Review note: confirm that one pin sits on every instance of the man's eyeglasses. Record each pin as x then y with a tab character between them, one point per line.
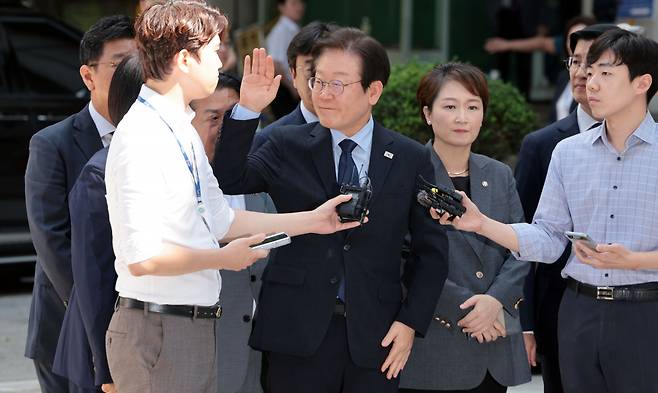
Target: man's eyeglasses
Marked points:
574	63
112	64
334	87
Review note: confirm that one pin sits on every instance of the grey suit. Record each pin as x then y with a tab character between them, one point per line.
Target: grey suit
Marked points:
446	359
239	365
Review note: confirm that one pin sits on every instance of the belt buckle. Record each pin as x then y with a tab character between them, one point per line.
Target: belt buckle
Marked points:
604	293
218	312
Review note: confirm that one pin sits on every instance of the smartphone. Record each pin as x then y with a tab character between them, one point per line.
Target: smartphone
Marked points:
273	241
583	237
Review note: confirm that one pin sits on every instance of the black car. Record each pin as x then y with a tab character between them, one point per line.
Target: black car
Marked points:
40	85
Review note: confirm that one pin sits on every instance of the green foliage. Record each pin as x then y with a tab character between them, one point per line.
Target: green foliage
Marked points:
509	117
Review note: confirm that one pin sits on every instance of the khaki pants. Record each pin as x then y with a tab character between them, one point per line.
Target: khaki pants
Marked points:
158	353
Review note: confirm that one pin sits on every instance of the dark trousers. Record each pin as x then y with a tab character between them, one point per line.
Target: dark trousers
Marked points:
488	385
329	370
607	346
550	373
49	382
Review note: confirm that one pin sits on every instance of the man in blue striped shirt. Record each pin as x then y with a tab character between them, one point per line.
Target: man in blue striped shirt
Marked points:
603	183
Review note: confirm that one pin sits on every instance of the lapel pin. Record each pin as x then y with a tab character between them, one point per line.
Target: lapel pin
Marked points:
485	183
388	155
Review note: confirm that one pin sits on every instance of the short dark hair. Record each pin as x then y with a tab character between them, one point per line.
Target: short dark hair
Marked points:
229	81
165	29
124	87
469	76
375	65
578	20
106	29
589	33
302	43
638	53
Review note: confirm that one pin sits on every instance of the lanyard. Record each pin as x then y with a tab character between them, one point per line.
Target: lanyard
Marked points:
194	170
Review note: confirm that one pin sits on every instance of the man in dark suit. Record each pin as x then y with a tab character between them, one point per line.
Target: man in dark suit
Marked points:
544	285
301	64
331	313
57	155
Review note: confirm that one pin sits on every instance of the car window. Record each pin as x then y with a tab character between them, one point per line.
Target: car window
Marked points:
46	56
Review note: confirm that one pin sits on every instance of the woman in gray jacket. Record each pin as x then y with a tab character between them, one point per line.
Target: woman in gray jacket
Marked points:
474	343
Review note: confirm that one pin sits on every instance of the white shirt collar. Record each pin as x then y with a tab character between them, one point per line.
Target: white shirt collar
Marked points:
103	126
585	121
309	116
165	107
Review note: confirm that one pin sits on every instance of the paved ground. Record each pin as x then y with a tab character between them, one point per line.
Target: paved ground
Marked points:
17	373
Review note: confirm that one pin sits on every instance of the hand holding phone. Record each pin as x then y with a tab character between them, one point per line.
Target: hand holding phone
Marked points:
583	237
273	241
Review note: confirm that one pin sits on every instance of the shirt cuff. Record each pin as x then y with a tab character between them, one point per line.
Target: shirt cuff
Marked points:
239	112
524	238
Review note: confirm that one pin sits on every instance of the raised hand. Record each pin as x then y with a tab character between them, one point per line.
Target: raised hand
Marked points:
259	84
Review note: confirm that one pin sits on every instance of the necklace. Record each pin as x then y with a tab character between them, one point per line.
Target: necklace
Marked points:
453	174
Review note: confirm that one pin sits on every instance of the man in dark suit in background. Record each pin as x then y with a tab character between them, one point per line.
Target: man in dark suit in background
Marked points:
57	155
301	64
331	313
544	285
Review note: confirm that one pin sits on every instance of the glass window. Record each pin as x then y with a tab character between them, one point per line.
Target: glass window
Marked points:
46	55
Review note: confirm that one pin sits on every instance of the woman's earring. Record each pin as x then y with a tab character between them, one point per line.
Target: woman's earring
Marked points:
429	122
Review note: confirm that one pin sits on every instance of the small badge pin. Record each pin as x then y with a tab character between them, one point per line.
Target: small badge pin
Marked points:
388	155
485	183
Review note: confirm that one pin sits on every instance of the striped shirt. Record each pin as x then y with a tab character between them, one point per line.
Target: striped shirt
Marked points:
592	188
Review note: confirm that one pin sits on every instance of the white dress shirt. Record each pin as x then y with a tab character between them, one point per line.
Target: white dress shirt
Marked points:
104	127
309	116
360	154
151	200
585	121
278	40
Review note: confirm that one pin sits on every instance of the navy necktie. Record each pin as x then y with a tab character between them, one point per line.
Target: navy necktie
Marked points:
347	174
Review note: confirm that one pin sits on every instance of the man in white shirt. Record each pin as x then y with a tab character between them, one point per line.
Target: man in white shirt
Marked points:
57	155
291	13
168	213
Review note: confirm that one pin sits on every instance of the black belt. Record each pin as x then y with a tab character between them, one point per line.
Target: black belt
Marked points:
632	293
212	312
339	308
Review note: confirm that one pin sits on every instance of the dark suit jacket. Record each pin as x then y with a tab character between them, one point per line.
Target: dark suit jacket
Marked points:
446	359
80	355
294	118
296	167
57	155
544	285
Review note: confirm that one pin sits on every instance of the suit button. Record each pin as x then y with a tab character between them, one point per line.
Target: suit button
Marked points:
347	247
479	275
246	318
333	280
253	278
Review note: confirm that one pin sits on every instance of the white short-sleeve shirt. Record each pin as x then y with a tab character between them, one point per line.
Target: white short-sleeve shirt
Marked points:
151	200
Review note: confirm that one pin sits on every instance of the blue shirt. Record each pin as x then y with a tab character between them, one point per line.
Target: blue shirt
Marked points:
592	188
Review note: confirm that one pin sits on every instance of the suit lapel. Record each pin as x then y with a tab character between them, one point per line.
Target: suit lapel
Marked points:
319	145
382	156
85	134
480	195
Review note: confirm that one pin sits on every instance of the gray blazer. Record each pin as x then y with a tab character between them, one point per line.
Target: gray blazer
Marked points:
446	359
238	365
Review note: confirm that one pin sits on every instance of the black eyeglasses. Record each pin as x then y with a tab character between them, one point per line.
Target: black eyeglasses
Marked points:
334	87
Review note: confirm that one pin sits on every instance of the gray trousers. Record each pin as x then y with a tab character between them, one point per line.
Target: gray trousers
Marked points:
158	353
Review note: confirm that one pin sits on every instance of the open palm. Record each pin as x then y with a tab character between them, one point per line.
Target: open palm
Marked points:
259	84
